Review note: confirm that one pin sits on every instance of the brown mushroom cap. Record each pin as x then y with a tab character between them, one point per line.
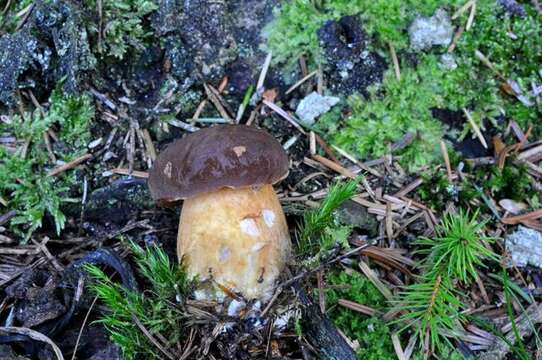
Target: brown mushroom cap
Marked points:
223	156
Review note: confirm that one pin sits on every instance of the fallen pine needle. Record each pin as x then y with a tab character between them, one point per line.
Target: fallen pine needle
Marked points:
69	165
475	128
363	309
334	166
513	220
134	173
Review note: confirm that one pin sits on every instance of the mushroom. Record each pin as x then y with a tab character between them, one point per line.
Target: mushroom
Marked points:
232	229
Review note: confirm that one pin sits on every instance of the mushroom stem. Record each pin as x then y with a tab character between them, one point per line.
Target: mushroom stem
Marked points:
242	244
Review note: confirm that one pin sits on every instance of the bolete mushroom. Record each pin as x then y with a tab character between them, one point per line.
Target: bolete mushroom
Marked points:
232	229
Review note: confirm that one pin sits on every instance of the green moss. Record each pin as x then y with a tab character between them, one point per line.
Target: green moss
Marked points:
72	115
158	309
293	32
123	26
512	182
394	109
24	183
9	18
397	107
373	334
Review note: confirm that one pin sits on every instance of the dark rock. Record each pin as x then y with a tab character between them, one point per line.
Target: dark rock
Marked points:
53	45
60	27
206	39
180	60
468	147
118	202
241	75
16	56
350	66
94	343
35	292
207	32
7	353
110	352
166	18
353	214
512	7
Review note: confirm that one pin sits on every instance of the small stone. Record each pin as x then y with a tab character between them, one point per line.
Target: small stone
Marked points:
426	32
353	214
314	105
235	307
525	247
447	62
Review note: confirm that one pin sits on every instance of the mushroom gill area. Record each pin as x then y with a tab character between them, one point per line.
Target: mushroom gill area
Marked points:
236	237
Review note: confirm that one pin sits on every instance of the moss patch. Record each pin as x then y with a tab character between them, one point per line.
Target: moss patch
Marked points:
373	334
24	184
512	43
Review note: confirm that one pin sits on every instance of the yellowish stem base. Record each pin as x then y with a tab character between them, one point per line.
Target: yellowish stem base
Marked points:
236	237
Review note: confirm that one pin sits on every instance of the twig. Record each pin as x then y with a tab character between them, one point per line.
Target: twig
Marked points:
363	309
83	326
149	144
512	220
456	38
151	338
397	346
480	56
182	125
70	165
300	82
302	274
214	98
471	16
334	166
475	128
371	275
444	151
263	73
284	115
462	9
395	62
320	82
355	161
33	335
321	293
134	173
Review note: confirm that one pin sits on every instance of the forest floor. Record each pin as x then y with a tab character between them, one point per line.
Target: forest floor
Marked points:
414	196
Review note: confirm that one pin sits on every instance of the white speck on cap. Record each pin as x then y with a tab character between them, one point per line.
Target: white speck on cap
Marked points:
249	227
268	217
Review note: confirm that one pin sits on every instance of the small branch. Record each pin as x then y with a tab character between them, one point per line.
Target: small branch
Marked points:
301	82
475	128
134	173
395	62
151	338
70	165
444	151
471	16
